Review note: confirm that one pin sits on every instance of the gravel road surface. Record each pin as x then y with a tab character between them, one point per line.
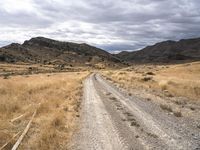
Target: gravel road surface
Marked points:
113	120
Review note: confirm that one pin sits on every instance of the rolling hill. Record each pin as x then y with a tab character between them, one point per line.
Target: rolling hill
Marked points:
44	50
165	52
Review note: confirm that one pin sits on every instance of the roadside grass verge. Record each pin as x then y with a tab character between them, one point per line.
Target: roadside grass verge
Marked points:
59	96
175	80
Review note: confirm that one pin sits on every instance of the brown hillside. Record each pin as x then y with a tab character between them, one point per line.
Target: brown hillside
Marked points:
43	50
165	52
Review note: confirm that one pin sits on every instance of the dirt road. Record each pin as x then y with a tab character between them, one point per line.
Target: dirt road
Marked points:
113	120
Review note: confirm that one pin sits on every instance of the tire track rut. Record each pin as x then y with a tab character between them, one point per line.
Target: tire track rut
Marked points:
96	130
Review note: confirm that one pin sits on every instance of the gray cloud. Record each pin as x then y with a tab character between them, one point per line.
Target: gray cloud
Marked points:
110	24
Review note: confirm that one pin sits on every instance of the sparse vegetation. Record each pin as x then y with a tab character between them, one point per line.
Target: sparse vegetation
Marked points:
6	76
146	79
166	107
148	99
113	98
150	73
177	113
26	69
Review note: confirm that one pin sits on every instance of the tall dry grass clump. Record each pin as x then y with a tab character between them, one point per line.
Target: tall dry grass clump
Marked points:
163	84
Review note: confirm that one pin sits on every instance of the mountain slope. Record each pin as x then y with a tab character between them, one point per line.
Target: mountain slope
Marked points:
167	51
44	50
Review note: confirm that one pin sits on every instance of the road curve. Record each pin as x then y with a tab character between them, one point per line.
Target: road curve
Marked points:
111	120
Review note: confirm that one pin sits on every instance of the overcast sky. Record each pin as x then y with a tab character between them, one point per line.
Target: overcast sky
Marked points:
113	25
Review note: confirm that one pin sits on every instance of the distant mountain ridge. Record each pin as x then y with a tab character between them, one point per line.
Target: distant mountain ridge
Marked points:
43	50
165	52
48	51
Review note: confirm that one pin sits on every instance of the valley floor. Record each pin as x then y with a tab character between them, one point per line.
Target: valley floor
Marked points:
138	107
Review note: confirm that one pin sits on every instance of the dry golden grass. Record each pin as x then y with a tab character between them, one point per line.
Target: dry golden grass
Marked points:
17	68
7	69
59	98
178	80
183	80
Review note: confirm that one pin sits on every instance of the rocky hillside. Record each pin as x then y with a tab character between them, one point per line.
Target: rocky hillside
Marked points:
165	52
43	50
